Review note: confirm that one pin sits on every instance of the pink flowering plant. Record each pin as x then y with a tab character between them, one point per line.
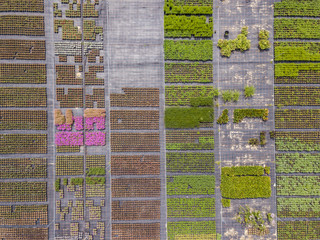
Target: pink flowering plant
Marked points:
95	139
78	123
99	121
64	127
69	139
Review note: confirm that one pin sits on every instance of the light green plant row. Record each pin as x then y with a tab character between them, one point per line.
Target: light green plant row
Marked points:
188	72
303	230
190	162
193	50
190	207
297	163
297	73
182	95
187	26
243	171
297	96
194	7
298	207
177	117
191	185
240	114
297	51
310	8
196	230
291	144
298	185
296	28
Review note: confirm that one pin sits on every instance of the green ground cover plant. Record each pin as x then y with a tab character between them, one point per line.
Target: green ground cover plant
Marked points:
199	7
249	91
96	171
240	114
193	50
190	95
298	185
224	117
189	162
230	95
192	229
226	202
293	230
191	185
264	42
244	182
298	207
187	26
57	184
187	72
239	43
297	163
297	73
77	181
297	141
176	117
310	8
263	140
296	28
297	51
190	207
95	180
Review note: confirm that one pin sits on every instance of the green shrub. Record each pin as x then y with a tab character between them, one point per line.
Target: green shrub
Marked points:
264	42
263	140
191	185
176	117
240	114
57	184
230	95
193	50
95	180
254	141
96	172
226	202
65	181
251	218
249	91
77	181
201	102
224	117
267	170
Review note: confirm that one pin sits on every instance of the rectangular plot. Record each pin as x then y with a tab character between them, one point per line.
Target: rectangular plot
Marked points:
297	141
135	165
136	187
72	99
293	230
141	231
95	161
23	168
21	6
192	230
297	163
24	215
297	51
298	207
22	49
23	97
298	185
297	8
69	165
24	233
23	120
136	97
23	73
134	119
66	75
135	142
297	96
23	191
135	210
22	25
297	119
67	149
23	143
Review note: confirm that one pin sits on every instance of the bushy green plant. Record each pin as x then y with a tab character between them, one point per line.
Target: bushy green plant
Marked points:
267	170
96	172
249	91
239	43
263	140
240	114
176	117
264	42
65	181
95	180
251	218
224	117
57	184
201	102
230	95
77	181
225	202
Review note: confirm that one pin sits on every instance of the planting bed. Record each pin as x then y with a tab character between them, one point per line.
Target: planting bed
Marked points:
297	51
20	119
24	233
135	142
22	49
23	97
297	141
292	230
142	231
23	191
297	119
23	73
22	25
298	163
298	207
191	229
23	143
297	96
136	97
298	185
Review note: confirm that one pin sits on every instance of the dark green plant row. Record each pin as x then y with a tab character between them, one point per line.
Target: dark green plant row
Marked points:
296	28
193	50
96	171
298	207
297	73
297	96
57	184
190	162
297	163
177	117
187	26
189	140
298	185
188	72
190	95
240	114
192	230
297	51
190	207
191	185
224	117
95	180
297	119
243	186
293	230
77	181
310	8
195	7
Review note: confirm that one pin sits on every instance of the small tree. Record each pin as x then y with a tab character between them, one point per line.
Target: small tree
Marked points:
264	43
249	91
